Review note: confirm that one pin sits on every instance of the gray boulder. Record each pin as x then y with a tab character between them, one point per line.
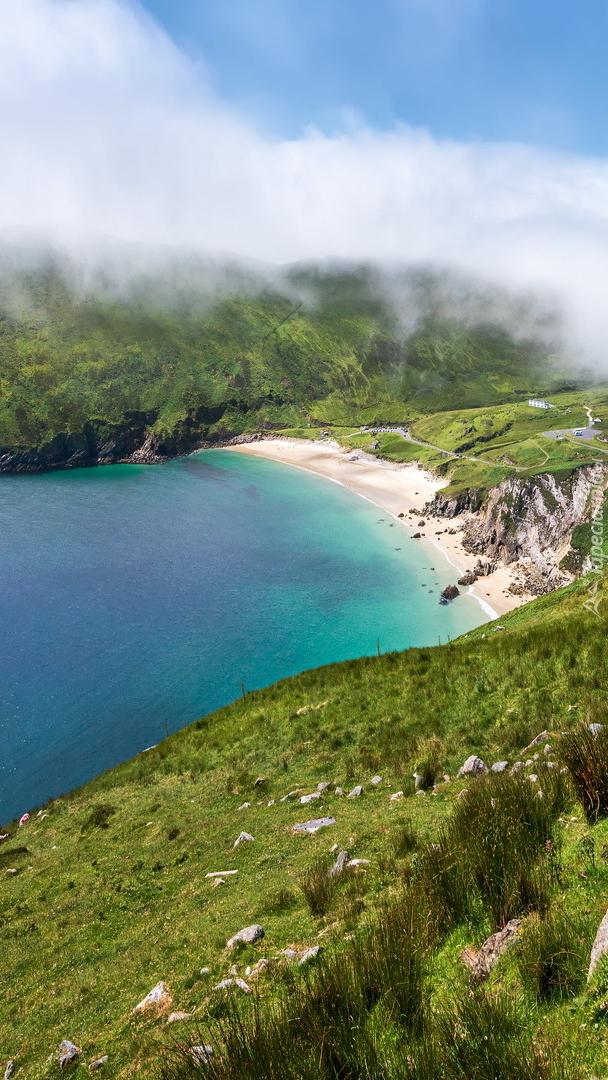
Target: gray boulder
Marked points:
358	790
314	824
309	798
472	766
339	864
97	1064
323	786
499	766
482	962
600	945
201	1054
248	935
8	1072
309	954
376	780
242	837
596	728
68	1052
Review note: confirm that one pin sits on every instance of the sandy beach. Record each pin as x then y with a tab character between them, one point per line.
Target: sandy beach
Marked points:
399	490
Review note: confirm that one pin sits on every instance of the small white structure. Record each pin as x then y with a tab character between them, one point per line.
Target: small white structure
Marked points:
538	403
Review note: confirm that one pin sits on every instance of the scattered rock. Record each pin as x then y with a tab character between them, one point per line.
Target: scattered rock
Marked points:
420	791
600	945
178	1016
463	793
467	579
260	780
539	738
548	749
483	568
290	954
323	786
355	864
376	780
339	864
97	1064
482	962
338	791
596	728
358	790
310	954
242	837
201	1054
551	765
533	777
271	802
499	766
248	935
472	766
257	969
205	971
309	798
217	882
415	536
244	806
314	825
225	984
221	873
8	1072
517	767
159	998
68	1052
291	795
421	524
396	795
449	593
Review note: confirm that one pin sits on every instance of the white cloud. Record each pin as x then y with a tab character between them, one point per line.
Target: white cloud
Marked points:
107	129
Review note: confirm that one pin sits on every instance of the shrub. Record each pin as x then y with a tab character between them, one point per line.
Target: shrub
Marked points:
318	888
484	1037
586	757
553	955
404	838
499	846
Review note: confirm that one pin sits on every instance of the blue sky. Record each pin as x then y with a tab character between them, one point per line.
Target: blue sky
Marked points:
507	70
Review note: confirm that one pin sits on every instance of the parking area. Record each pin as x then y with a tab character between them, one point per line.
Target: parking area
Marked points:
579	433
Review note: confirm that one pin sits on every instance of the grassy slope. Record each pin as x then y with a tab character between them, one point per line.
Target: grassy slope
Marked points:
68	356
96	916
512	435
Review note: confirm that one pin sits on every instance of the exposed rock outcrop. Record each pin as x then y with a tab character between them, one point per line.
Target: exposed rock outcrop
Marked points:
534	518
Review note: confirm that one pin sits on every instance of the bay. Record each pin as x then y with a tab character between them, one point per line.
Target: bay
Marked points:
135	599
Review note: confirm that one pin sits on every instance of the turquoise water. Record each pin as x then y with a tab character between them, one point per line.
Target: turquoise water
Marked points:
137	598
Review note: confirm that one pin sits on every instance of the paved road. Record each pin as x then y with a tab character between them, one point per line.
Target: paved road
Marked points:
583	433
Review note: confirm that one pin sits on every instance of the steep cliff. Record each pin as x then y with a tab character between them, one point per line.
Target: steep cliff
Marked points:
534	517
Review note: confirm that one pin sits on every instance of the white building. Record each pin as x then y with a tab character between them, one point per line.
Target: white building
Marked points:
538	403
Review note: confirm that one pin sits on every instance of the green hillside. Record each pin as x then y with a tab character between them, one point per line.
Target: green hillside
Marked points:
104	892
194	361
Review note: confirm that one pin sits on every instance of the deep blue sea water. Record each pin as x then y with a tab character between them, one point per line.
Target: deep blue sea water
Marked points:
134	599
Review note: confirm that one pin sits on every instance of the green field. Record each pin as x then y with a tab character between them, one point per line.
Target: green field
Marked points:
110	894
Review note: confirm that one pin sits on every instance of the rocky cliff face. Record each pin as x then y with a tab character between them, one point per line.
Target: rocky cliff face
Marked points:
534	518
100	443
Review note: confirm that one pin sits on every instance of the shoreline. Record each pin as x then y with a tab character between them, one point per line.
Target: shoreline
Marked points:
401	491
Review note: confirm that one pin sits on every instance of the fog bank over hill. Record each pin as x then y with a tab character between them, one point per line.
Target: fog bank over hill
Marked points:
114	133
